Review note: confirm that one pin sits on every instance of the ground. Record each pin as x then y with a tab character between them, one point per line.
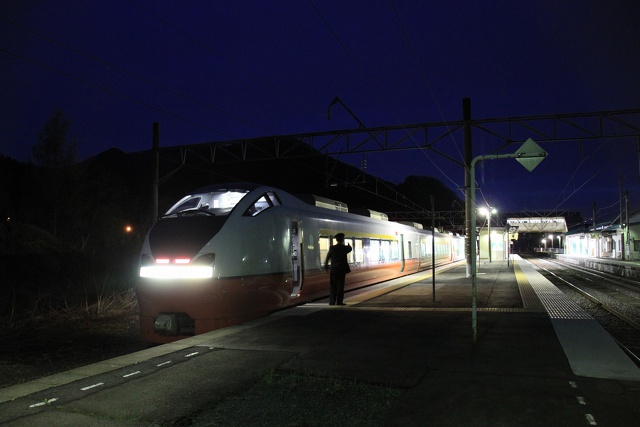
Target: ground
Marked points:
53	343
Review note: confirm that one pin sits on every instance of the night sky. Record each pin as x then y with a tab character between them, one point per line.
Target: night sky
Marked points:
223	70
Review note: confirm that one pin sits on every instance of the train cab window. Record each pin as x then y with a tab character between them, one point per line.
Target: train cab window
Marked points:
218	203
265	201
275	201
190	203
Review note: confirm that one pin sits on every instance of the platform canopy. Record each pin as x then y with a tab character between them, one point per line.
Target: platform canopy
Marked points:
539	225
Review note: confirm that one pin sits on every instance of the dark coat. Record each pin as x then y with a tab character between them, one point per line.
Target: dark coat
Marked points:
338	256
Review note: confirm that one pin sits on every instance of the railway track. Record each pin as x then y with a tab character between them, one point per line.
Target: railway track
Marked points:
613	301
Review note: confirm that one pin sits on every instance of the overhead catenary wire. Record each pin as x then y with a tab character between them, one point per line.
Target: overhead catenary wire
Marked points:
362	72
107	89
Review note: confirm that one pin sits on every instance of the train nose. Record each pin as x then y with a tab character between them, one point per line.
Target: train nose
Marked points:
171	324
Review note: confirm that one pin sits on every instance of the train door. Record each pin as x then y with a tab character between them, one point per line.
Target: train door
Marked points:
296	257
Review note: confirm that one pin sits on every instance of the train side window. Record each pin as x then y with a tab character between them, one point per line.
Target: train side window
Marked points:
395	249
358	253
373	255
323	245
350	255
385	250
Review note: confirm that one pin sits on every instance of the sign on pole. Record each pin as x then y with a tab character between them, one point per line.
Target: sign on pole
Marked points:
529	147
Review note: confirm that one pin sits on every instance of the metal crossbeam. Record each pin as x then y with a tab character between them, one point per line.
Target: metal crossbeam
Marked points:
421	136
434	136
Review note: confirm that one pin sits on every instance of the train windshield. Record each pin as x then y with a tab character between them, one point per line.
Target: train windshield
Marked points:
218	203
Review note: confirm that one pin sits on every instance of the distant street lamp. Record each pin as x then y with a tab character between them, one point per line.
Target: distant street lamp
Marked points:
544	241
551	240
487	212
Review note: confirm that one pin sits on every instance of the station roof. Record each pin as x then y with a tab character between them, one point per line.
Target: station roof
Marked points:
539	225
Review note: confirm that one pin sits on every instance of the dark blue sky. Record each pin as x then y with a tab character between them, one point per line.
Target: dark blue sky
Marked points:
222	70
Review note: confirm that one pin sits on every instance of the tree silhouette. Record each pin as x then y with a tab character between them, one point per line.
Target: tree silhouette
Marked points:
54	149
54	154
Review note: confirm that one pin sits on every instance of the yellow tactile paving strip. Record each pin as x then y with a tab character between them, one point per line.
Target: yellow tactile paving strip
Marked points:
530	300
547	297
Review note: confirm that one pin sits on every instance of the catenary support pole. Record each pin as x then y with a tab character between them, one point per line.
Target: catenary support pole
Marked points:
472	201
155	154
433	248
468	157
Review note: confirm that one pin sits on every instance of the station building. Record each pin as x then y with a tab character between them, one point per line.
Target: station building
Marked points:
499	239
606	240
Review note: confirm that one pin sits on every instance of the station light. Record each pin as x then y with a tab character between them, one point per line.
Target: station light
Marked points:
487	211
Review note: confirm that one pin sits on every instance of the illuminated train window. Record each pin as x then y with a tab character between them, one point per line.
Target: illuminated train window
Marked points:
323	245
350	255
190	203
217	202
395	249
357	254
365	250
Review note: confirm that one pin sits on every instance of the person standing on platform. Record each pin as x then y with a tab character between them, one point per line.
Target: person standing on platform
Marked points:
338	269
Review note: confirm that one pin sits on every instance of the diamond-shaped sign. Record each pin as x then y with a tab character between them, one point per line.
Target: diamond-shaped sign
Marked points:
532	154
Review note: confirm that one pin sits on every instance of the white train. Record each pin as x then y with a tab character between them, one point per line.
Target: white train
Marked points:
229	253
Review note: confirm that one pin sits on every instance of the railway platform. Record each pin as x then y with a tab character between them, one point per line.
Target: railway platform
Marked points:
538	360
627	268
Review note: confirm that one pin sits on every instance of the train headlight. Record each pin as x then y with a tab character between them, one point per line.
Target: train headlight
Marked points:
177	268
176	272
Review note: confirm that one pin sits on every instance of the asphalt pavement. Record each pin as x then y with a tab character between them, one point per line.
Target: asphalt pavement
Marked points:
396	335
